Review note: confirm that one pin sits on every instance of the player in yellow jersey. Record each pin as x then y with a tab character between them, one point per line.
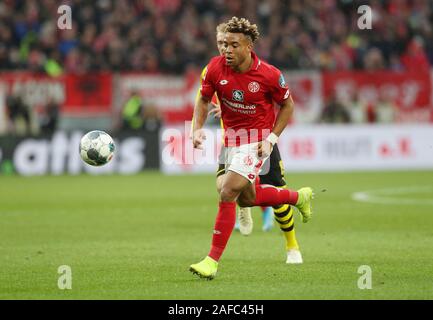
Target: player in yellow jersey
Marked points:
275	176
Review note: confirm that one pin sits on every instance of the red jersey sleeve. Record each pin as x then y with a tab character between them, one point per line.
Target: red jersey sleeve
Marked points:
278	86
207	88
215	100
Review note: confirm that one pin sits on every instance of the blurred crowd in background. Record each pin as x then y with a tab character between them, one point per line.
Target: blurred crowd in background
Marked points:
170	36
176	36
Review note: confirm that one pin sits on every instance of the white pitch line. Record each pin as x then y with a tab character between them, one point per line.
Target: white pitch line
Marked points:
382	196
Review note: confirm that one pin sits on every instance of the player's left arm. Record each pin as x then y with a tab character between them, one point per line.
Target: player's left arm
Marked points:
281	94
283	118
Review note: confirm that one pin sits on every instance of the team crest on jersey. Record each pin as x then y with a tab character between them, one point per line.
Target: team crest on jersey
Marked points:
253	86
282	81
238	95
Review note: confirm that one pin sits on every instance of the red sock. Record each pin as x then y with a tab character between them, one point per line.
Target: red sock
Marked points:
257	181
224	224
267	195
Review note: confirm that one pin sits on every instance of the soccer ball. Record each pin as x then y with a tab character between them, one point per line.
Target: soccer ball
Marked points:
97	148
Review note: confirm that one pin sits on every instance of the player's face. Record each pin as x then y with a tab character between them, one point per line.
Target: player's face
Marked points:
220	42
237	48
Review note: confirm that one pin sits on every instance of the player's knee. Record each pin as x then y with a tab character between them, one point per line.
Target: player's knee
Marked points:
228	194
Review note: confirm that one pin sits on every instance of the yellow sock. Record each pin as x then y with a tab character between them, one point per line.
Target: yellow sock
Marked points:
284	217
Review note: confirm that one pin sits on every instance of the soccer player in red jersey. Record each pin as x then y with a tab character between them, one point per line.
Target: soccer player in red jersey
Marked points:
247	88
275	177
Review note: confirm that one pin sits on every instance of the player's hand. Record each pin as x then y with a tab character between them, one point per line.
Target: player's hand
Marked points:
216	111
197	138
264	149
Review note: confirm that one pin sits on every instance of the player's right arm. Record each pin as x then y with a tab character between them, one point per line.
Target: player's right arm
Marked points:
215	105
197	96
207	90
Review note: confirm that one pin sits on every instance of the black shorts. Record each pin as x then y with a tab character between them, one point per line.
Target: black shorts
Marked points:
221	170
275	174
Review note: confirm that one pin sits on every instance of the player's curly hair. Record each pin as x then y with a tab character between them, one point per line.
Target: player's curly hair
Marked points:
221	27
242	25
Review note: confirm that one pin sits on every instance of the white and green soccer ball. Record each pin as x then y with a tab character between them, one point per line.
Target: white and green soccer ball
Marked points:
97	148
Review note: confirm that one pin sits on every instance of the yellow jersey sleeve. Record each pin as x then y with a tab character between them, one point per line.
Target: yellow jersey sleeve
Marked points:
203	73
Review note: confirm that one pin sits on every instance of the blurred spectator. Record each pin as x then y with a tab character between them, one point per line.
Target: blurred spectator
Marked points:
18	115
132	113
415	59
340	58
357	110
334	112
385	111
151	116
373	60
4	59
52	65
170	35
395	63
140	114
50	118
371	113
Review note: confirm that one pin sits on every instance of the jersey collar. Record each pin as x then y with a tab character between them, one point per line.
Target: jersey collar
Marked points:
256	61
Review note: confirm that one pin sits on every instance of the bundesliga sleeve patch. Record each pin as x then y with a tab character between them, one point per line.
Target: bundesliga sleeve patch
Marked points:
281	81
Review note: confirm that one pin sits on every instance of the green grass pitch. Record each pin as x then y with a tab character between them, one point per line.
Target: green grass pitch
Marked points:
134	237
